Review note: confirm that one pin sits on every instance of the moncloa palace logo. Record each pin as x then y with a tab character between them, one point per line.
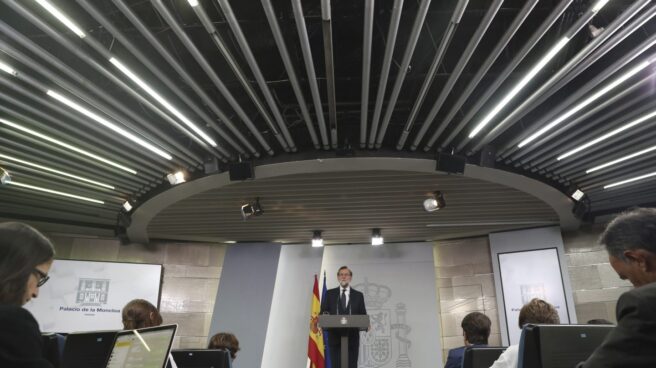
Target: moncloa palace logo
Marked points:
92	292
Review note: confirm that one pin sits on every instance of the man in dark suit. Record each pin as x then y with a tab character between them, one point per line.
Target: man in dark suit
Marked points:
630	240
343	300
476	331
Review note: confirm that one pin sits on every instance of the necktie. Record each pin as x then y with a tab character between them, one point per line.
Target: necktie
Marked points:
342	301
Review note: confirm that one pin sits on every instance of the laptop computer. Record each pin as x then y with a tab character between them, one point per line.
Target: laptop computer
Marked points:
202	358
87	349
142	348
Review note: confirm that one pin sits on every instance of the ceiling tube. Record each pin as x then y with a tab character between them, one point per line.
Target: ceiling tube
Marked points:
405	63
64	84
621	159
542	155
91	135
14	160
289	67
630	180
68	71
384	73
66	145
367	35
84	56
546	58
173	62
287	143
485	66
218	83
562	77
309	68
586	102
55	192
327	30
587	88
430	75
453	77
510	67
173	86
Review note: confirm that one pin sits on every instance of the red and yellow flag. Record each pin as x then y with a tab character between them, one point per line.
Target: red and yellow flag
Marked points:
315	342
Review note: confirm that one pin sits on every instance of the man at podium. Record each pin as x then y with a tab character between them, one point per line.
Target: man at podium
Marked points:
344	300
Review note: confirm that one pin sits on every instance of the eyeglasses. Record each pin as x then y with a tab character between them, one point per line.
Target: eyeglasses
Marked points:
43	277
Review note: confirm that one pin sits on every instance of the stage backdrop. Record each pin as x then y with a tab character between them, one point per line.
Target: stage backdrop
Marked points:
89	296
398	282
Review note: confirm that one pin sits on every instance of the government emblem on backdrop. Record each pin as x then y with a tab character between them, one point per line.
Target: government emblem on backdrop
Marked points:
92	292
387	343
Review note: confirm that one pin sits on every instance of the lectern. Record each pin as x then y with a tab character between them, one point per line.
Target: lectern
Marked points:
340	324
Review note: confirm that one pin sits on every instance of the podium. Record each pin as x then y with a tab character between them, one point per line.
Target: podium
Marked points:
340	323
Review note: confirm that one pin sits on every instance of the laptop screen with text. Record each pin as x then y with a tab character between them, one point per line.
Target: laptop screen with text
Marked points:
142	348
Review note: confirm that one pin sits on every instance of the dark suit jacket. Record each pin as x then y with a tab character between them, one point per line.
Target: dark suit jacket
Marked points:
356	306
21	345
632	342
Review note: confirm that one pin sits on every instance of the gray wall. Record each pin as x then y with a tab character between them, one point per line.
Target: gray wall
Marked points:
243	302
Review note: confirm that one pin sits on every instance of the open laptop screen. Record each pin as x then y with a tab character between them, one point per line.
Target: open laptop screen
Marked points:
142	348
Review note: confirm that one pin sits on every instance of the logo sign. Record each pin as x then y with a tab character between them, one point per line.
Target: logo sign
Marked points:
92	292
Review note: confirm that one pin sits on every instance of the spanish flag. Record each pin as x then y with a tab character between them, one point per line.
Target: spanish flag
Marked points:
315	342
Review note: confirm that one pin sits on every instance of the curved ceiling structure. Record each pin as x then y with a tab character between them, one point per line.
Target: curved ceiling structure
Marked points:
99	101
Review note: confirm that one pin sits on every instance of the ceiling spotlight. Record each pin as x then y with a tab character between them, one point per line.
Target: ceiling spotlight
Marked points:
176	178
594	31
251	209
127	206
577	194
435	202
376	237
317	240
5	178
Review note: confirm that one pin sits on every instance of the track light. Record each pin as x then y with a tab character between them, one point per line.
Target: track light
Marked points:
5	178
376	237
61	17
435	202
251	209
317	240
55	192
66	145
135	78
610	134
595	31
176	178
580	106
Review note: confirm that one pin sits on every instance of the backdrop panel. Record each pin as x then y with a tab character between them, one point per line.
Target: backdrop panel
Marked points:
288	329
398	282
243	301
88	296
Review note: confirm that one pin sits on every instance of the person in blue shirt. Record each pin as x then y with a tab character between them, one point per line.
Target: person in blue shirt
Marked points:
475	330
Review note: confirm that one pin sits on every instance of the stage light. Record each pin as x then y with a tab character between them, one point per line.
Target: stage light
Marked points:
176	178
251	209
5	178
435	202
62	18
577	195
376	237
127	206
317	240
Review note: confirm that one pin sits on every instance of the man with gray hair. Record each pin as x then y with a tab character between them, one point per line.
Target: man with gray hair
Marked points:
630	240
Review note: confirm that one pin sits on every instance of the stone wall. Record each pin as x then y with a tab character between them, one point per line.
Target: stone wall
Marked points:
191	278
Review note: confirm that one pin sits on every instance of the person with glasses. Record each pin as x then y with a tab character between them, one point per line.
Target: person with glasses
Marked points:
25	259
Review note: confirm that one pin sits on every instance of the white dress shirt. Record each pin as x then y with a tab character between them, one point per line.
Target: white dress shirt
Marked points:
508	359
